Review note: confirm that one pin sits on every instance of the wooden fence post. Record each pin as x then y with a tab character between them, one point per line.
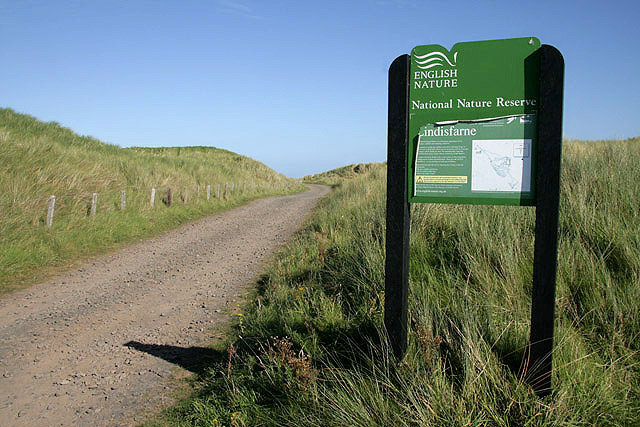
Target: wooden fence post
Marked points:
218	192
197	192
52	205
208	192
123	200
169	197
153	197
185	196
94	203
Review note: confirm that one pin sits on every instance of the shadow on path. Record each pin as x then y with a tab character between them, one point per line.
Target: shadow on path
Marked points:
194	359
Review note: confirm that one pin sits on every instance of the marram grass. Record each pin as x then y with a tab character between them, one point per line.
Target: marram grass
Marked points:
41	159
470	280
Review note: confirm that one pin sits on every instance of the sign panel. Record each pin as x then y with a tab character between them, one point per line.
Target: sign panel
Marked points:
472	122
488	160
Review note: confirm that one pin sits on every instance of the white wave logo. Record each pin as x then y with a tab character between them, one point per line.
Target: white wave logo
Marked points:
434	59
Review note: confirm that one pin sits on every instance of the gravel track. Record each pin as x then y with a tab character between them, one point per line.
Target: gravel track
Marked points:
99	345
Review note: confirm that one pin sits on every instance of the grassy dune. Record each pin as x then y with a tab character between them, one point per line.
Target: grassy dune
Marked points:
335	177
40	159
309	349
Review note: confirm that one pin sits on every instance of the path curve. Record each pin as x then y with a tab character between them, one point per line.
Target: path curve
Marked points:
78	349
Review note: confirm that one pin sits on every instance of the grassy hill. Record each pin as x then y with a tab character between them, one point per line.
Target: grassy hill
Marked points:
311	351
40	159
336	176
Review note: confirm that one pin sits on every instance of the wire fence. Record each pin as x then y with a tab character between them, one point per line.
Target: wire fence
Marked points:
165	196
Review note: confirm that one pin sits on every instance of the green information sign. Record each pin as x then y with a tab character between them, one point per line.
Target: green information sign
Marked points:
484	127
472	122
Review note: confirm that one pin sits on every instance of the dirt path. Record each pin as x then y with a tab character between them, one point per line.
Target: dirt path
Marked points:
81	349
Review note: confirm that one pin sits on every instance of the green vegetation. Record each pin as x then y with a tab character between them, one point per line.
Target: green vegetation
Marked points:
40	159
309	348
335	177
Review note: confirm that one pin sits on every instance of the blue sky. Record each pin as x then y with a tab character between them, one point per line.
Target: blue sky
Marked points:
300	86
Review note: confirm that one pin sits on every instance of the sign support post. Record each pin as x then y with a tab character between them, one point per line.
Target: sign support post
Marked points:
396	280
538	362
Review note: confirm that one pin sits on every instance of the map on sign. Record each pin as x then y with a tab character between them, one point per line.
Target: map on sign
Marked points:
501	165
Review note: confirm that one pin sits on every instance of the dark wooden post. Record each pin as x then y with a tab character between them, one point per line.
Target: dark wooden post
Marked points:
169	197
539	354
397	233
